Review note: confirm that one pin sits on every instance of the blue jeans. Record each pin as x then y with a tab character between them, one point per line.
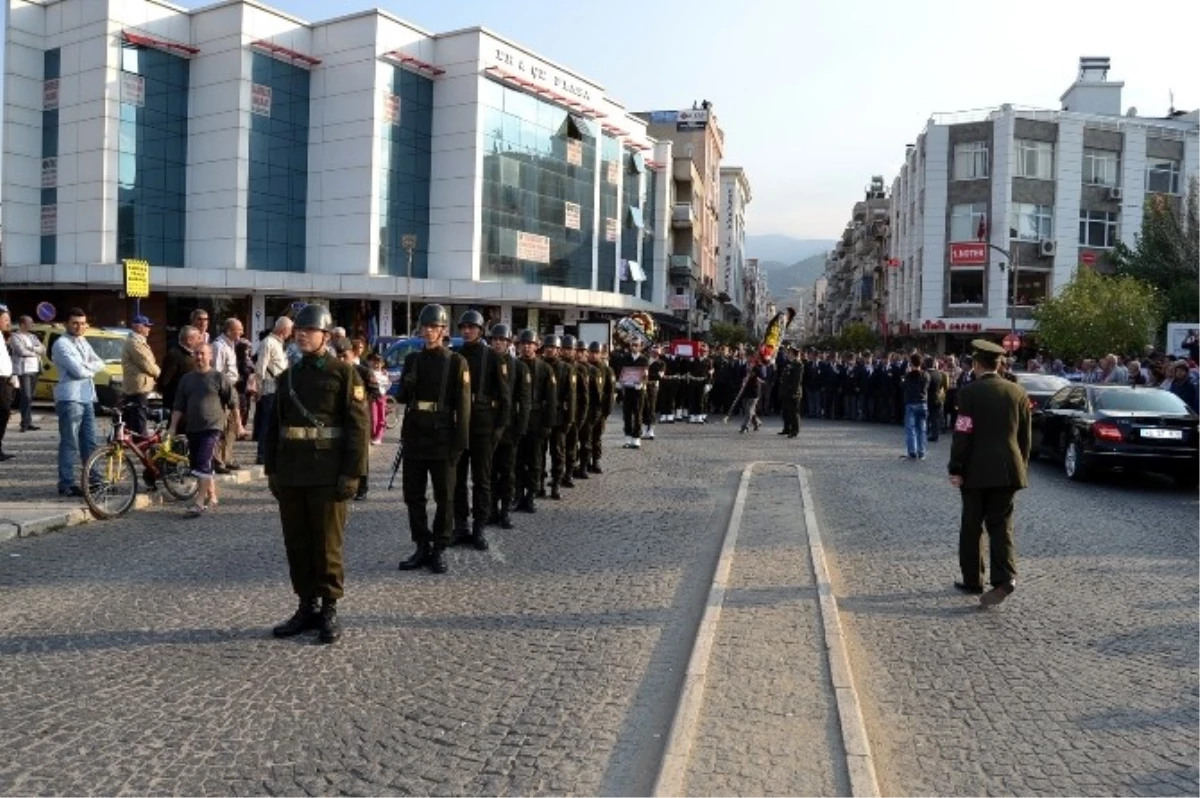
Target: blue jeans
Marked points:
914	428
76	439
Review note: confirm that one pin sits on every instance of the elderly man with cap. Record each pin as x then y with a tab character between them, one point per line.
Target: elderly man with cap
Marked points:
139	371
317	442
504	461
988	463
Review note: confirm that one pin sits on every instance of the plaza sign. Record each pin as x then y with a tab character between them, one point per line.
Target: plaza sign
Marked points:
545	75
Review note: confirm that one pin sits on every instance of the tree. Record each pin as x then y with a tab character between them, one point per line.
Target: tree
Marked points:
857	337
728	334
1097	315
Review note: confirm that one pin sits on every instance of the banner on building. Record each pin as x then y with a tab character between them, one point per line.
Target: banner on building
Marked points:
575	152
693	119
391	108
49	172
610	229
133	89
50	94
679	301
260	99
968	254
49	220
571	212
612	172
533	247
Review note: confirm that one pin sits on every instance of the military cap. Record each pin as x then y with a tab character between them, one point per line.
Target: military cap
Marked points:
342	345
594	346
986	347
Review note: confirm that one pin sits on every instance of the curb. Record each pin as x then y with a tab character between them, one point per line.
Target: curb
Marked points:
859	761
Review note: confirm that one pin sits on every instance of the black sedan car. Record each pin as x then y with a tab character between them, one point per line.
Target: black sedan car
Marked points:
1040	387
1095	427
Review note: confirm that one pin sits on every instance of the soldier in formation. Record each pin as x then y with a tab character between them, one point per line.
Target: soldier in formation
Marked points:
543	413
504	464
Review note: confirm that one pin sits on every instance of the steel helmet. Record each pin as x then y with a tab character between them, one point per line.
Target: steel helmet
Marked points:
502	331
567	341
433	316
594	346
550	341
471	317
580	346
527	337
313	317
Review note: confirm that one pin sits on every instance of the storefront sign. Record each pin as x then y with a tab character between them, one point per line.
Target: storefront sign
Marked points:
49	220
679	301
49	172
137	279
968	254
575	152
391	109
610	229
540	73
612	172
133	89
693	119
533	247
50	95
572	215
260	99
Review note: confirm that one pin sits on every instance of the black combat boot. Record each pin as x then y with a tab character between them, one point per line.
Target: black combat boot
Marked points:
554	494
505	519
328	628
541	492
581	473
417	559
494	515
437	560
595	467
566	482
478	541
530	506
306	617
460	535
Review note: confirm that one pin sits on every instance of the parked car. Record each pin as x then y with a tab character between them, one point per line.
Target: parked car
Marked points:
1095	427
393	358
1040	387
109	343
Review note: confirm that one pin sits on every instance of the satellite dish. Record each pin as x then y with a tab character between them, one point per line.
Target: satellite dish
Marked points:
1132	111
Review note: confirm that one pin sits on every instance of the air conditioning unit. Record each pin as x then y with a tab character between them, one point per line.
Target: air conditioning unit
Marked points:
1046	248
1114	193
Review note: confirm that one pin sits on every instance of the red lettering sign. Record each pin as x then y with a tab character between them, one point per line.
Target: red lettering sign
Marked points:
1087	258
968	254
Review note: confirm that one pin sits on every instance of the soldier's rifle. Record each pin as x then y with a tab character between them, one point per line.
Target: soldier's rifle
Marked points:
396	465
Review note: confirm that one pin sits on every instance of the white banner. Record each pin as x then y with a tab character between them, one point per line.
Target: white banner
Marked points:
133	89
613	174
49	220
391	109
610	229
50	94
260	99
572	215
533	247
49	172
679	302
575	152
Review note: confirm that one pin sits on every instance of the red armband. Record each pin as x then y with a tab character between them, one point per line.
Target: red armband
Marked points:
964	424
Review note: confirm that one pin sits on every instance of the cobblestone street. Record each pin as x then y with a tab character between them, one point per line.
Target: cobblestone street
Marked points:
136	657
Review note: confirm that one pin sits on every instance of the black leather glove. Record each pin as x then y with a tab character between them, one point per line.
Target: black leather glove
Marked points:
347	487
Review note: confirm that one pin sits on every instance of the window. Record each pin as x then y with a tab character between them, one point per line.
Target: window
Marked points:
1101	167
1162	175
966	286
967	221
971	160
1098	229
1035	159
1032	286
1031	222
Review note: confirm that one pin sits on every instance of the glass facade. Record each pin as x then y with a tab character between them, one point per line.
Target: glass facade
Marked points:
277	204
631	217
611	217
404	183
539	184
49	210
649	213
152	165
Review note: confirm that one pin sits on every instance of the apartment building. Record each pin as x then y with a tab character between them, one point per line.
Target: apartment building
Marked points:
855	270
735	195
995	210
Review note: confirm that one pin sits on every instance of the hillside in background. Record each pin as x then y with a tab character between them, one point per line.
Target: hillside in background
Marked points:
785	249
781	281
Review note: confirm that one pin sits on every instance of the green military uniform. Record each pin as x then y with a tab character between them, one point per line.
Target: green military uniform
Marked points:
564	420
531	451
583	418
606	388
317	444
992	437
504	461
587	432
791	389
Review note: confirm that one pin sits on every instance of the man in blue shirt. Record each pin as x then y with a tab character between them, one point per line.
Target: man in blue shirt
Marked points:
74	396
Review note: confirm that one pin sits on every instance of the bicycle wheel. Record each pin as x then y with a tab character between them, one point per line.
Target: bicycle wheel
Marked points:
110	482
177	477
391	415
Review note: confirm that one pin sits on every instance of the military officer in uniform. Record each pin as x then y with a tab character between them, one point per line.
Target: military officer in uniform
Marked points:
436	392
317	442
988	463
504	462
791	389
543	402
585	379
489	414
603	395
579	386
564	417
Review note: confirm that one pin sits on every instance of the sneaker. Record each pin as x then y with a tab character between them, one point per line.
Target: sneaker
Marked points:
921	456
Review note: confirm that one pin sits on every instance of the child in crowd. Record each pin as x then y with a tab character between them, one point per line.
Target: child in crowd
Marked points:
378	398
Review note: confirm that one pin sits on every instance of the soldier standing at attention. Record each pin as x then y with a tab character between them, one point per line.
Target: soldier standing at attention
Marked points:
436	392
553	348
504	462
988	463
791	388
317	442
606	385
585	378
489	414
543	402
578	386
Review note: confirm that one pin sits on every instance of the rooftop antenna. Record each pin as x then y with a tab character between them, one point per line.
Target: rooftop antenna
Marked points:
1171	93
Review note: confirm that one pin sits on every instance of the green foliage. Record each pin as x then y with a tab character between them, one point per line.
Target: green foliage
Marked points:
728	334
857	337
1096	315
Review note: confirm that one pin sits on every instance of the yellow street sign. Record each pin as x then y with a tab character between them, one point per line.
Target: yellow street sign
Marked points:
137	279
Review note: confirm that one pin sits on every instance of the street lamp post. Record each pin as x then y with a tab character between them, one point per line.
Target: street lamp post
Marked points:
1011	312
409	242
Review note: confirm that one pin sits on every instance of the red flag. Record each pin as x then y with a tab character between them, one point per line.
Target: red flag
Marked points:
981	231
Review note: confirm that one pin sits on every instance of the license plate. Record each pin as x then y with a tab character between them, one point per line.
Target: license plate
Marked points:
1163	434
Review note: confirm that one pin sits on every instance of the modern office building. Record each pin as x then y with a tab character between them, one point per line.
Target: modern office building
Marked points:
731	256
1035	193
256	160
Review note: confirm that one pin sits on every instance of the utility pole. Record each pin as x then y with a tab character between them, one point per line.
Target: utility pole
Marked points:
409	242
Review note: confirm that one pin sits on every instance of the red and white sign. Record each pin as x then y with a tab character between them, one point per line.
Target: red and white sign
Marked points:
49	220
610	229
572	215
1012	342
391	108
260	99
1087	258
533	247
968	254
133	89
575	152
50	94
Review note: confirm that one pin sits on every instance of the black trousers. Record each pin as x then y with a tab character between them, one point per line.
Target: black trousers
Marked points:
936	416
504	467
650	405
572	443
583	450
558	453
531	462
632	411
790	408
990	509
695	397
666	397
477	461
6	400
137	406
314	528
418	473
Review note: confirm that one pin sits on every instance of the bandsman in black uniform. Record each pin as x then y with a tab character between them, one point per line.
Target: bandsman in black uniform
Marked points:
504	463
564	417
654	376
698	375
791	391
489	414
436	392
317	442
543	404
605	394
989	460
633	397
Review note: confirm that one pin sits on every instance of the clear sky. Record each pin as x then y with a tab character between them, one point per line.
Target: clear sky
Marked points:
815	96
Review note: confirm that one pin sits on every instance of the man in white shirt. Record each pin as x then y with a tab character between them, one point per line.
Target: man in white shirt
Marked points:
27	365
225	362
74	399
7	378
272	361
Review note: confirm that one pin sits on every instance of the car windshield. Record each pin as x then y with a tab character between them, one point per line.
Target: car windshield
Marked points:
108	349
1150	400
1041	383
395	356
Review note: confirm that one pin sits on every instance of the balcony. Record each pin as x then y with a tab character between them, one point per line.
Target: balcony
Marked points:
683	215
684	267
684	170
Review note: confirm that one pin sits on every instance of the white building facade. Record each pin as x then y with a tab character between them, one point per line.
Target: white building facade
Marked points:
257	158
734	196
1050	191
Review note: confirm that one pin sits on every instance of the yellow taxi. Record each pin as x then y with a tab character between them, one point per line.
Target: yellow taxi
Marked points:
108	344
